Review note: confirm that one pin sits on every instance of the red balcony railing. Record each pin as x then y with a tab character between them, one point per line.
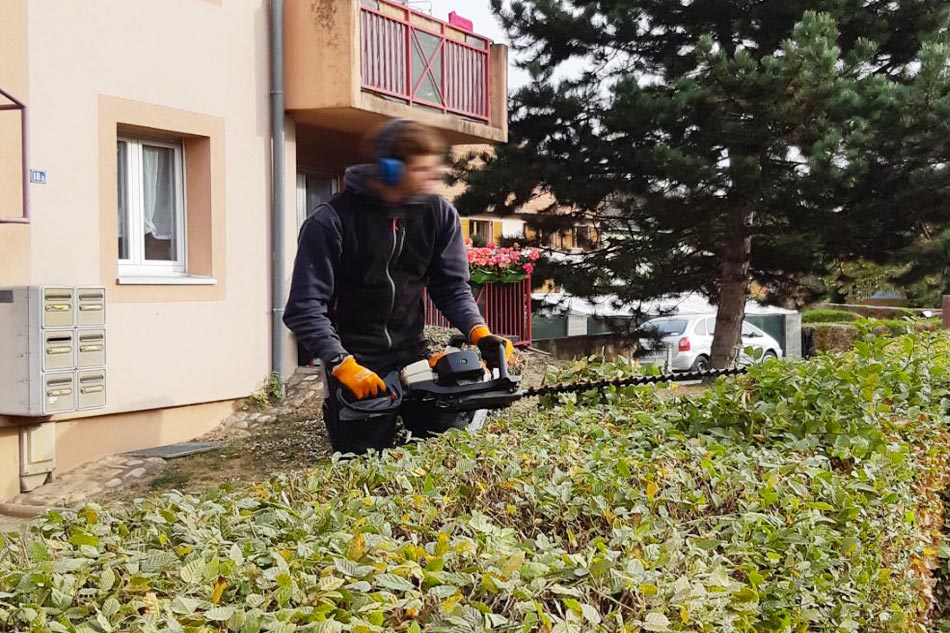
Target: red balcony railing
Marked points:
412	57
506	308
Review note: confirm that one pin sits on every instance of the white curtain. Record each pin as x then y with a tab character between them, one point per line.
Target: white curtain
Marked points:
159	183
123	177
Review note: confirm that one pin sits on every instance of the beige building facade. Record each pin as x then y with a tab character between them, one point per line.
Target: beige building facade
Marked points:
148	175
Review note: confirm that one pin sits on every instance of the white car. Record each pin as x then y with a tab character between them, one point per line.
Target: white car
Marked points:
691	337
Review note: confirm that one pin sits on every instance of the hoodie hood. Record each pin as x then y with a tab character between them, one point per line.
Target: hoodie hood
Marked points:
361	180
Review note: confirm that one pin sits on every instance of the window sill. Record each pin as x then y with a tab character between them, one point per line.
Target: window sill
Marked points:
183	280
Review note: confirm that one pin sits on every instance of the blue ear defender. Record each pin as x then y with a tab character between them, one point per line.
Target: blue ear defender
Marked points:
391	170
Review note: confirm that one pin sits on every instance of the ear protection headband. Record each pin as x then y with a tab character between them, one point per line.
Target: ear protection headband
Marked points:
391	170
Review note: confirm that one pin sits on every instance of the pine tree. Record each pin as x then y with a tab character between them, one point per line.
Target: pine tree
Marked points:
722	142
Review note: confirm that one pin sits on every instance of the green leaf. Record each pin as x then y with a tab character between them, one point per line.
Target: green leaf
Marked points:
107	579
348	568
184	606
656	622
331	583
81	538
193	572
396	583
533	570
236	555
591	614
110	607
219	614
69	565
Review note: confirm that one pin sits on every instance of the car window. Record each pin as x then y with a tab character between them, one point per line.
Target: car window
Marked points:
748	331
700	328
710	326
667	327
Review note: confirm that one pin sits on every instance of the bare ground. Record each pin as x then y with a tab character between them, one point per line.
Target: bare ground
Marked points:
292	443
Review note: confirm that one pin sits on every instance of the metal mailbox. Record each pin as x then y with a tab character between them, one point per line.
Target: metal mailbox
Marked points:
91	348
91	389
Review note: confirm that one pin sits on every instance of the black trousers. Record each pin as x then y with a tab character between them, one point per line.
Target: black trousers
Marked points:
380	431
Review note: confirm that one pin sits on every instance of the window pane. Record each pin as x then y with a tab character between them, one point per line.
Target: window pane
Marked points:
667	327
122	163
480	232
158	183
319	190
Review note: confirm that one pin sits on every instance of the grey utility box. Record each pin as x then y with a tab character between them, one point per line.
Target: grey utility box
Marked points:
52	344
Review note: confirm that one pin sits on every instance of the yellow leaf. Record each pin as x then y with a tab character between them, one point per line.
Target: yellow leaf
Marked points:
513	564
684	616
449	604
151	603
219	586
91	516
652	489
357	547
368	501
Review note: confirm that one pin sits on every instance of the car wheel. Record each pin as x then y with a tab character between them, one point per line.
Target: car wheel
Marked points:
700	364
769	355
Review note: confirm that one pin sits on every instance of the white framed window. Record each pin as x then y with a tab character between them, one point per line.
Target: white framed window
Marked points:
151	208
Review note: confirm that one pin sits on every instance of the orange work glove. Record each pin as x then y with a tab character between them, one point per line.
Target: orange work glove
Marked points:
362	382
489	345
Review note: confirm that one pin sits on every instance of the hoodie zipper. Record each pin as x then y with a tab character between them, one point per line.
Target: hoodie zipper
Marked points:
394	254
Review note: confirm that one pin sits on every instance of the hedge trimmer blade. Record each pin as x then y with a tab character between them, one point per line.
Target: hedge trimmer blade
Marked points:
600	385
459	383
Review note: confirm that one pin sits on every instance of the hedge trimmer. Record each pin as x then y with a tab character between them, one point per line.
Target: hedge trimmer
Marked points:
459	382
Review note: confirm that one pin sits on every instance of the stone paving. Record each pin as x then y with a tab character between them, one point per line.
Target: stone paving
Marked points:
87	481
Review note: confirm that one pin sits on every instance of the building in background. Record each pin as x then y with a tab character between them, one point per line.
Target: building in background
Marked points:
146	189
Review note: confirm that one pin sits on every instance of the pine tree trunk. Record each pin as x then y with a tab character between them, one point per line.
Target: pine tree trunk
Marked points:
733	290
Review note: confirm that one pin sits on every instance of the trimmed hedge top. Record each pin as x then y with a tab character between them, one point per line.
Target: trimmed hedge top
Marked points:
801	497
828	315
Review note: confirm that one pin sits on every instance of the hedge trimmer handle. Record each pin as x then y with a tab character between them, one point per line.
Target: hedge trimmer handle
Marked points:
502	360
459	341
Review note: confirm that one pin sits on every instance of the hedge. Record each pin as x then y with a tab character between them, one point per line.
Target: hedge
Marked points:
829	316
896	327
801	497
834	337
875	311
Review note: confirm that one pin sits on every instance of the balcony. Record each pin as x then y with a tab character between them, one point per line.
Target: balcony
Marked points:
350	64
